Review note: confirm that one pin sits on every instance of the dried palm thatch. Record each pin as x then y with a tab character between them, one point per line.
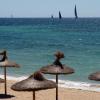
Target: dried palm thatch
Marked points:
57	67
2	80
34	83
95	76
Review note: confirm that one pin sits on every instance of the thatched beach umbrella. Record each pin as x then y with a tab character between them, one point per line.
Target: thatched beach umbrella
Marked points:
2	53
95	76
34	83
1	80
57	68
6	63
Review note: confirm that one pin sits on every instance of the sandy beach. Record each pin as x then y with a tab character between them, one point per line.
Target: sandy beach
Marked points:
64	94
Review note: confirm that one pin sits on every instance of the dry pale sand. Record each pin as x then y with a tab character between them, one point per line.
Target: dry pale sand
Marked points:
64	94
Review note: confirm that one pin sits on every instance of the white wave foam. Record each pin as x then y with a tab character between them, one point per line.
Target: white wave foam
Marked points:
14	78
65	83
79	85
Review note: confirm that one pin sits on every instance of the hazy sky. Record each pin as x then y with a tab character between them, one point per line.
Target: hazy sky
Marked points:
44	8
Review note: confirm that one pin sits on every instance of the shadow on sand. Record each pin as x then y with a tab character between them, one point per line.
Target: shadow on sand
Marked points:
3	96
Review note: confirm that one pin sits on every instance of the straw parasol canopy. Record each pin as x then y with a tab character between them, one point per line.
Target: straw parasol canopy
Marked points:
34	83
57	68
2	54
1	80
95	76
6	63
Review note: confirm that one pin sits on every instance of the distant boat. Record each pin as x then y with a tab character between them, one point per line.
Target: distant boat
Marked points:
75	11
52	17
11	16
60	17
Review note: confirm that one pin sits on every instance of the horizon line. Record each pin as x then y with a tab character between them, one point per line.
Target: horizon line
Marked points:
48	17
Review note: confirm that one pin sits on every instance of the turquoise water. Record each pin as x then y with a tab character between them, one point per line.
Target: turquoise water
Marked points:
32	43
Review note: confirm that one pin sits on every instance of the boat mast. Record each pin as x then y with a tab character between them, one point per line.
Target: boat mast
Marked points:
60	17
76	17
52	17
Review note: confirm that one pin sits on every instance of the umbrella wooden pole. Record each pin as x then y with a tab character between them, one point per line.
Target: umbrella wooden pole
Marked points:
57	87
33	95
5	85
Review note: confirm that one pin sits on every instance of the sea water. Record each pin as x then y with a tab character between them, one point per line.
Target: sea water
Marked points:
32	42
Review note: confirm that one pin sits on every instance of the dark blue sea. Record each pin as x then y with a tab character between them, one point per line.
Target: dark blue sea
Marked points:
32	42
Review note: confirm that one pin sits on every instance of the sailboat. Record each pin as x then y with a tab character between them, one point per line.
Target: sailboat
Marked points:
52	17
11	16
60	17
75	11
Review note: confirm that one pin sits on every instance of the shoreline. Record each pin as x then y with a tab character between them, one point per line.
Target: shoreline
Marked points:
64	84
